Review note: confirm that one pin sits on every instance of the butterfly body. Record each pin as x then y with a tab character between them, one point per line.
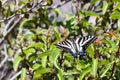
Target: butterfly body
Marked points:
76	46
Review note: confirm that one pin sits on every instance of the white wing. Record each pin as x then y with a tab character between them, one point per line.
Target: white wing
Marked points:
85	41
67	45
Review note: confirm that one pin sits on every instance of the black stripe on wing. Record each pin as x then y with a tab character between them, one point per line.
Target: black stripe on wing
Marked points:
67	46
86	41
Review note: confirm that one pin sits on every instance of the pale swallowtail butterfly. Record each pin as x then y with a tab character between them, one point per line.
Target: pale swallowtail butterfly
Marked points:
76	46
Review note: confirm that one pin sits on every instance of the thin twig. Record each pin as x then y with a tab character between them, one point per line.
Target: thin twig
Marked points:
8	24
34	6
16	75
9	30
6	56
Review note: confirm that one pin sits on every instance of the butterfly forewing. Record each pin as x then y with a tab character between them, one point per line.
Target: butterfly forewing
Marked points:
86	41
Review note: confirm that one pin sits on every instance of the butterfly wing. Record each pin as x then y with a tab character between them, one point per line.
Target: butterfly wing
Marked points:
88	41
68	46
76	46
85	41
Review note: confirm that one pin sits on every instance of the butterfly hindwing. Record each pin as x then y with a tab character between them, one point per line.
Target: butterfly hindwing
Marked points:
68	46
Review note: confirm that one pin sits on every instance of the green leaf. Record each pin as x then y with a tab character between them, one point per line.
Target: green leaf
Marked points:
116	0
91	13
54	57
90	51
80	65
67	63
25	1
38	45
93	2
46	53
44	61
112	46
116	7
16	62
104	70
41	71
71	72
57	11
49	2
95	66
118	23
27	23
23	74
30	36
73	21
32	57
29	50
57	35
115	15
60	74
104	8
85	72
71	16
36	66
103	62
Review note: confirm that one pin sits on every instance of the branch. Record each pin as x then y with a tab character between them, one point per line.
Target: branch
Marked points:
16	75
28	10
6	56
9	30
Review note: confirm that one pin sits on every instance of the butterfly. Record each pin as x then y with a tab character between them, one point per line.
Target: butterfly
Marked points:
76	46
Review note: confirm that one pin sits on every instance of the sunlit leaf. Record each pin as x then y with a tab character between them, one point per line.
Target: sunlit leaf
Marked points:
117	6
85	72
71	72
54	57
105	6
44	61
57	11
27	23
105	70
93	1
115	15
42	71
23	74
118	23
90	50
57	35
116	0
29	50
95	66
29	36
60	74
17	60
38	45
46	53
36	66
91	13
49	2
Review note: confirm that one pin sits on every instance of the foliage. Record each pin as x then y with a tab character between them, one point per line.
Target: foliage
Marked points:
30	31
